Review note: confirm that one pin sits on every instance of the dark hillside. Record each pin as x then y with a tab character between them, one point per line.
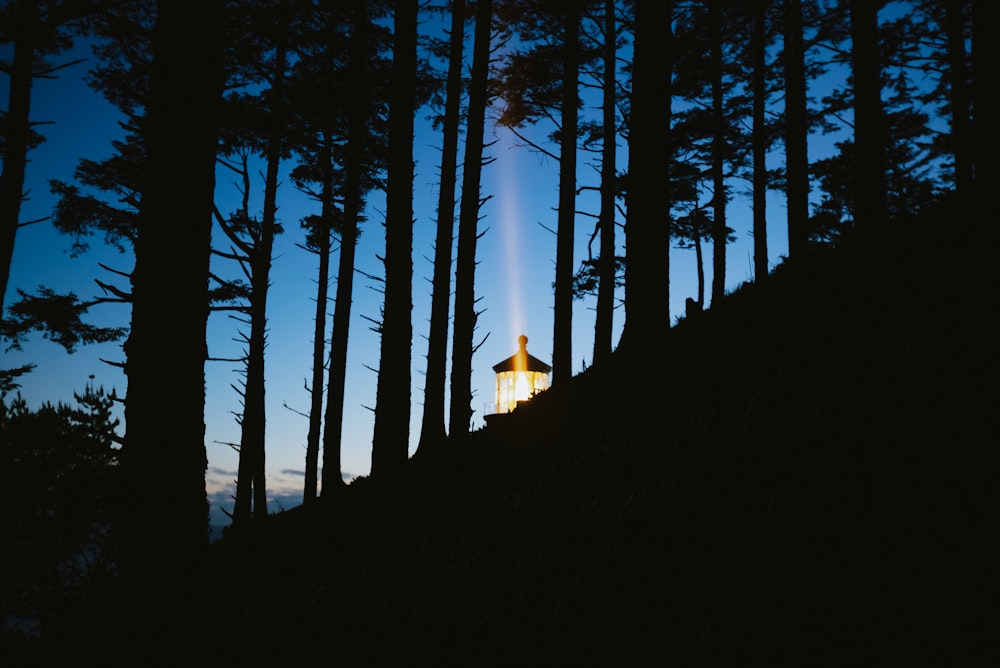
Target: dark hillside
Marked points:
804	484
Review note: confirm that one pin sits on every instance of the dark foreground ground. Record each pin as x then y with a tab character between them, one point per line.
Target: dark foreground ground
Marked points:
802	482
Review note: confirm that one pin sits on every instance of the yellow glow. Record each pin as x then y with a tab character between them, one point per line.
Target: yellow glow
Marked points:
515	386
522	387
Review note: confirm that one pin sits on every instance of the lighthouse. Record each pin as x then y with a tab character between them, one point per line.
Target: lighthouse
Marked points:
519	377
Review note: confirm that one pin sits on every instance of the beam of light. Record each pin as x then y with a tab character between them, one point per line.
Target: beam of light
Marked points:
512	248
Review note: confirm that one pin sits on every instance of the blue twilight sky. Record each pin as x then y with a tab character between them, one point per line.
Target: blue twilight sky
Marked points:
514	277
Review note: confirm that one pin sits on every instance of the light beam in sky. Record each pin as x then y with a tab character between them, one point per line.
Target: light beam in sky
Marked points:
513	250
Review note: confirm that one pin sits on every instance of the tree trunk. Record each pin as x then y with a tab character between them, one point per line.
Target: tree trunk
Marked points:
562	339
262	272
18	128
460	414
869	126
954	20
606	282
719	231
333	421
699	258
761	266
340	334
432	429
319	326
390	444
796	131
647	232
165	510
254	424
984	105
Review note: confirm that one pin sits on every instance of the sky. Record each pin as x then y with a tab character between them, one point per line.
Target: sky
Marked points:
513	282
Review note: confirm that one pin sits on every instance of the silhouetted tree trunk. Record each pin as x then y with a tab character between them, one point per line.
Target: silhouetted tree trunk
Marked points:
604	322
251	477
390	443
34	29
354	165
954	25
321	242
460	413
720	232
165	510
869	125
562	339
983	132
23	27
759	142
699	261
647	231
796	130
432	428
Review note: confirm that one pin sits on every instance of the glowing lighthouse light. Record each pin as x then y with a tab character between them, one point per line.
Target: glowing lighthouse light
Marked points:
519	377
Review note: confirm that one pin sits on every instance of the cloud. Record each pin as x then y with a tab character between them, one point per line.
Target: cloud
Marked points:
287	500
284	492
219	501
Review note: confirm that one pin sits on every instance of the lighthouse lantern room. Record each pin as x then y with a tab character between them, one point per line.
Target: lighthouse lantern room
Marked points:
519	377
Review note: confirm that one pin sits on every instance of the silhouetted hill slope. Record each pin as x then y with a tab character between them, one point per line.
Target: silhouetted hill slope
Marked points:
802	480
799	478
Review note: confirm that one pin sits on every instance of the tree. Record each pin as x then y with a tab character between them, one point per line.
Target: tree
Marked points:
710	83
984	104
600	274
254	240
460	413
36	29
531	91
59	466
165	510
245	234
894	145
869	122
363	148
796	129
895	162
606	219
58	317
432	427
647	231
104	201
562	338
340	83
105	197
928	45
758	54
328	67
960	95
720	196
692	229
319	229
390	441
